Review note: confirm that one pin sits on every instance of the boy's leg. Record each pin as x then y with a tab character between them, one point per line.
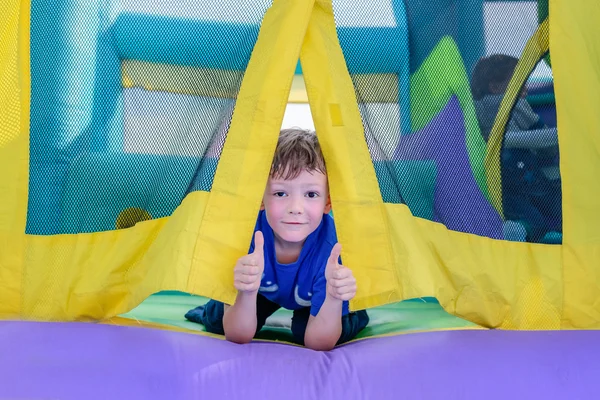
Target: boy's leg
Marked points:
264	309
211	314
352	323
299	322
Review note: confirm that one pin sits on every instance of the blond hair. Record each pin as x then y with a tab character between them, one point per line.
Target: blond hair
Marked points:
297	150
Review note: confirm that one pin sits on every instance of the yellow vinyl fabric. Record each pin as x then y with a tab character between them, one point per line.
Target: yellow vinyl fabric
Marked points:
98	275
394	255
14	143
574	44
230	214
353	184
491	282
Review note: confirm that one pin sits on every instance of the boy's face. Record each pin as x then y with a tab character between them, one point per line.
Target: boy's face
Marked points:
294	208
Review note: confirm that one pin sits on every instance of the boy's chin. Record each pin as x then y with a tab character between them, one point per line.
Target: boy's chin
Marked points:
292	238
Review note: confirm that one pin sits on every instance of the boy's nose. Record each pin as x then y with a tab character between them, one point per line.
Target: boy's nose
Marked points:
295	207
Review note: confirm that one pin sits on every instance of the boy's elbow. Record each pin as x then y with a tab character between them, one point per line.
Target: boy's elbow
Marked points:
319	343
238	333
319	346
238	337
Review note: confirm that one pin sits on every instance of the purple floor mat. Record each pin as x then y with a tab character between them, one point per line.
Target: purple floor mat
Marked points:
77	361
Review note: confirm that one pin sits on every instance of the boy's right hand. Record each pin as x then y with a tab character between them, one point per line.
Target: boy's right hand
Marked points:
248	270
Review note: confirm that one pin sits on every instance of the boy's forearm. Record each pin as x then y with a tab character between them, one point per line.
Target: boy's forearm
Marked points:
324	330
239	320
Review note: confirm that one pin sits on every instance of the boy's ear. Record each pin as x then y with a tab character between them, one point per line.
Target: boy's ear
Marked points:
327	205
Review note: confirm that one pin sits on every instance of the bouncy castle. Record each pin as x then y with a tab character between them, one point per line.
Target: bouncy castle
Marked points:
136	139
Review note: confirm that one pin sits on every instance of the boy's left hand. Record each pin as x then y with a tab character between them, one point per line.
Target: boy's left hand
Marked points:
341	284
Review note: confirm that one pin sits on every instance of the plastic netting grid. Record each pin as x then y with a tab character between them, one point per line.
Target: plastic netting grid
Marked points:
169	140
530	189
531	184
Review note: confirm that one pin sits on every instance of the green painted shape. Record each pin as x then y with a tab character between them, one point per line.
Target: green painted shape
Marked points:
543	12
542	8
440	76
169	308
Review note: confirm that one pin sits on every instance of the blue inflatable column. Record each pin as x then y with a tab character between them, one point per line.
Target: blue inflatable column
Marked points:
470	34
76	98
430	21
403	66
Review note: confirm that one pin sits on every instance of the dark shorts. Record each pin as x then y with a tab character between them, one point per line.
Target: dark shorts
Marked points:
211	316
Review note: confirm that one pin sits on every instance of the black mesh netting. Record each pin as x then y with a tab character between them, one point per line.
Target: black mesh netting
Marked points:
429	94
131	103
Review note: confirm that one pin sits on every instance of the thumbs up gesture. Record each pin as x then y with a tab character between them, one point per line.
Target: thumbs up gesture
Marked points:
341	284
248	270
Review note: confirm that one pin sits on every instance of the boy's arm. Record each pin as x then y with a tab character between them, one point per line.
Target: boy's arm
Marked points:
324	330
239	320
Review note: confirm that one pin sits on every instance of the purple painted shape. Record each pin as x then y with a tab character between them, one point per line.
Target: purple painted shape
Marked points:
458	202
89	361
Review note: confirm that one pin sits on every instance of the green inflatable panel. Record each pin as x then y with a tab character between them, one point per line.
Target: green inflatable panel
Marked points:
543	12
442	75
169	308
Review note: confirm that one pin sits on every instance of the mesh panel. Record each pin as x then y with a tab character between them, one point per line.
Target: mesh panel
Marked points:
133	111
427	138
531	184
131	102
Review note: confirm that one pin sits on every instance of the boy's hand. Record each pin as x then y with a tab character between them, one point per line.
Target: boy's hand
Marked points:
248	270
340	281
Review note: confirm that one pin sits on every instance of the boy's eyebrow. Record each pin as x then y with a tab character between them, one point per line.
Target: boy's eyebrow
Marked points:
308	186
277	183
313	185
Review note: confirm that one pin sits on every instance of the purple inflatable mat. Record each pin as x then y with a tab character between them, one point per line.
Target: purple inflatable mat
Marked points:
92	361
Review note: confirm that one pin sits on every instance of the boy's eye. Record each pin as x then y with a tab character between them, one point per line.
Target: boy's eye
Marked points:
312	195
279	194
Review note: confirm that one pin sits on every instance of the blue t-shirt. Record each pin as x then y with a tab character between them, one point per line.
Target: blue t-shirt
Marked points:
302	283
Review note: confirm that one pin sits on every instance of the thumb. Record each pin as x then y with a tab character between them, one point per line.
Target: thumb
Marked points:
335	255
259	243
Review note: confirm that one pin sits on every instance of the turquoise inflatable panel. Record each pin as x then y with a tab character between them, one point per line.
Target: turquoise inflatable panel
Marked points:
76	102
77	95
189	42
228	46
115	182
430	21
411	182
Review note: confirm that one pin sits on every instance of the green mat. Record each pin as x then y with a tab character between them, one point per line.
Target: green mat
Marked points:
169	308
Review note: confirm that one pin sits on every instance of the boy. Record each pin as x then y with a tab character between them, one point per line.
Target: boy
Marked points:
293	260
